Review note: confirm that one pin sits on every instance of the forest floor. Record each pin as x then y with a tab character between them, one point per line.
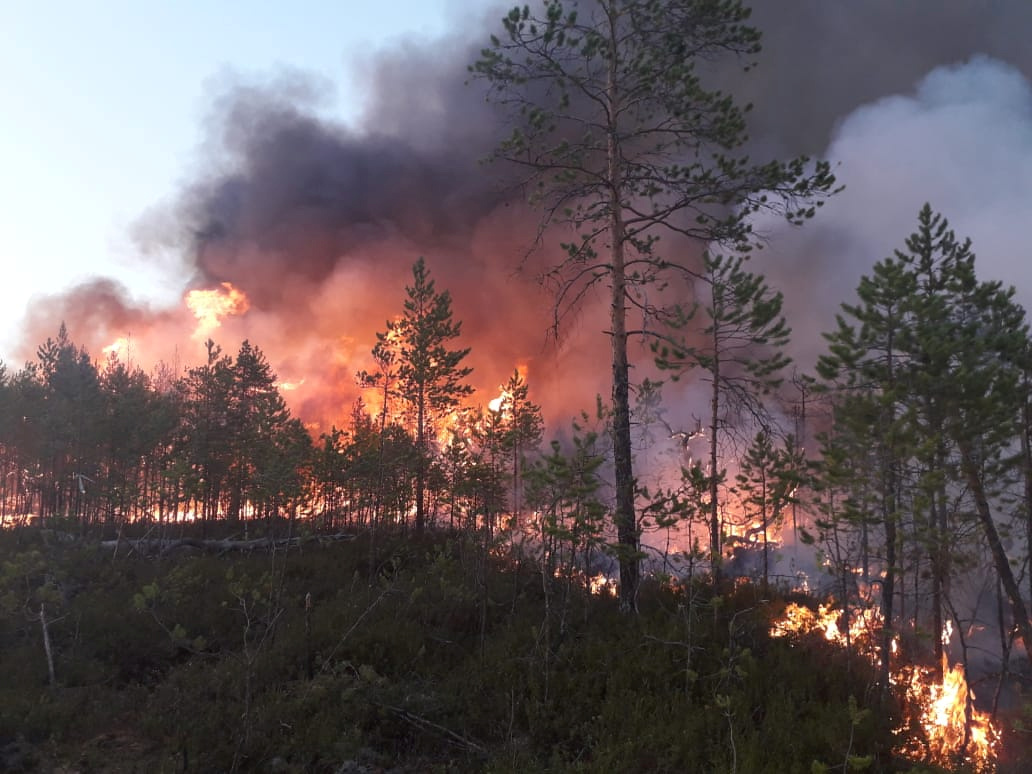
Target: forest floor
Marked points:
405	653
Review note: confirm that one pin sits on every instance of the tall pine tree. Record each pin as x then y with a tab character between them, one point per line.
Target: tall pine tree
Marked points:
740	352
430	377
616	135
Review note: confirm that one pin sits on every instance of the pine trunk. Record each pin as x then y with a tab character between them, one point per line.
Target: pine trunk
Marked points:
624	518
992	536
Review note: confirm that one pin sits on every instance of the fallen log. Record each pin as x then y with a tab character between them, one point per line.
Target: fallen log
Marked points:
162	546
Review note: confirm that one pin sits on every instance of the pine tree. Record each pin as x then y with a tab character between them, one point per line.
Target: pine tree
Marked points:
430	375
931	380
69	426
522	430
768	478
618	137
741	354
204	452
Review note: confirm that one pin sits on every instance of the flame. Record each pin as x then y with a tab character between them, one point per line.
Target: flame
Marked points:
863	625
952	730
119	348
504	400
210	307
602	584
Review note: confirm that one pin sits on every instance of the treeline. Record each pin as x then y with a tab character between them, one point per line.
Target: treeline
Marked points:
109	444
105	444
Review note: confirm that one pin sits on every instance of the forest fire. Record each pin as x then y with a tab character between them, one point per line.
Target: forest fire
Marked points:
941	725
859	634
211	306
119	349
602	584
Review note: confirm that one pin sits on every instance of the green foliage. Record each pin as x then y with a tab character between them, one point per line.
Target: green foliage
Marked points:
420	370
564	488
410	669
928	373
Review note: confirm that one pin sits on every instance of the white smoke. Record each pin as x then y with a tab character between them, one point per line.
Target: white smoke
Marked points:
962	141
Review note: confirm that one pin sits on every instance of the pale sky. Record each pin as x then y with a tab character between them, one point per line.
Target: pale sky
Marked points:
103	105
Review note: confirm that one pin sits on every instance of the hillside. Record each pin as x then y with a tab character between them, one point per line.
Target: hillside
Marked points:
405	654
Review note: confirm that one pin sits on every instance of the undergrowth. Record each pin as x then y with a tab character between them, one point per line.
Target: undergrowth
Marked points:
425	653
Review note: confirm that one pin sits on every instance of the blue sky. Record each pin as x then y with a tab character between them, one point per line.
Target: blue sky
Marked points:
103	105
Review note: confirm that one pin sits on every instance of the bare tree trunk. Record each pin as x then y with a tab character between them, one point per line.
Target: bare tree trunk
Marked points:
421	462
716	550
626	523
992	536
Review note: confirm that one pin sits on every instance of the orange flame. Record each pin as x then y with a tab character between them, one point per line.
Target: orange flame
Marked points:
953	730
119	348
863	624
602	584
210	307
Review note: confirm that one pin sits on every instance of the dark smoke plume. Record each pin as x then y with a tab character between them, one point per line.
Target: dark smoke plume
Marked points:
319	223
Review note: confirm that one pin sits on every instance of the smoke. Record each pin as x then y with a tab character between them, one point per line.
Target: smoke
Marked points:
319	222
961	140
102	307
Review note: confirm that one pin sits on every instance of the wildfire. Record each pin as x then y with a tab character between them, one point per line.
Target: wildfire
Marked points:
211	306
119	348
954	730
503	403
602	584
863	624
495	404
950	730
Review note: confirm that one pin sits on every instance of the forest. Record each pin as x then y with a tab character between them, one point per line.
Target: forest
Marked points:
831	572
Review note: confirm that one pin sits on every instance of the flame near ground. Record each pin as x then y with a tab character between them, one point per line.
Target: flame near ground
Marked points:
941	725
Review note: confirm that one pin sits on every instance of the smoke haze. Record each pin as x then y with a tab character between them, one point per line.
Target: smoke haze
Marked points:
320	223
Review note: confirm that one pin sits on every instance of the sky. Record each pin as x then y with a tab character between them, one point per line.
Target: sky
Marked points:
104	104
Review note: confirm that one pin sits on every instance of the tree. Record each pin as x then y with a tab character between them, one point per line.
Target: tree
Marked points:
69	423
767	481
862	368
927	371
429	376
741	352
137	423
619	138
521	429
268	446
203	450
240	447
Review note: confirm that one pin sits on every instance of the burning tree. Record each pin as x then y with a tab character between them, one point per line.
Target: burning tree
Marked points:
619	138
428	376
767	482
521	428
